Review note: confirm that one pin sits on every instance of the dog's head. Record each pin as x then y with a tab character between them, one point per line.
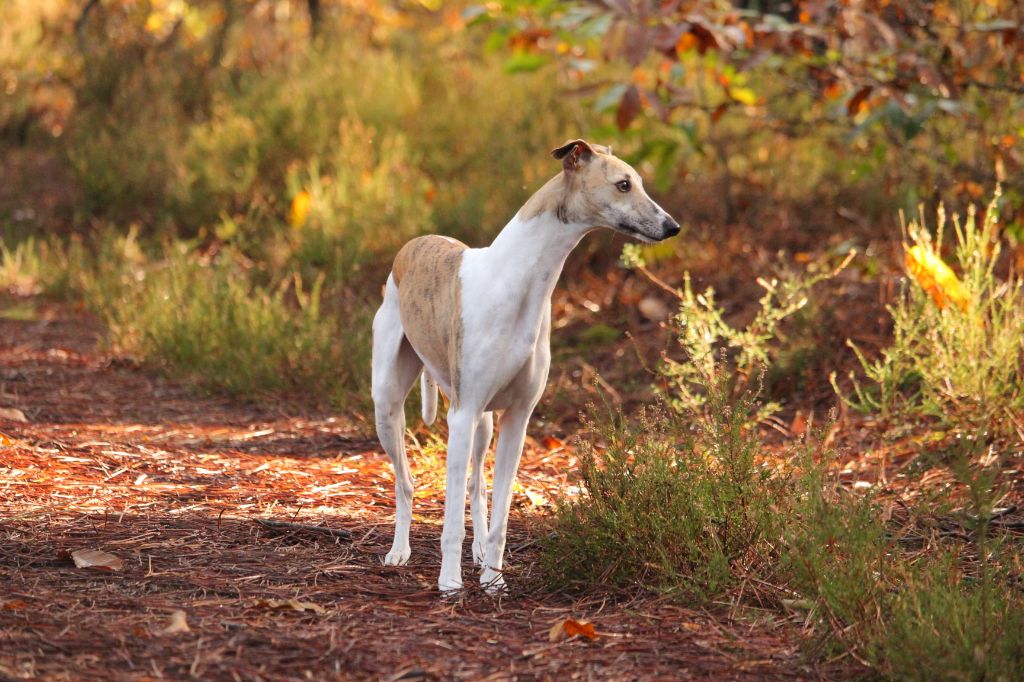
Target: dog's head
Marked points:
602	190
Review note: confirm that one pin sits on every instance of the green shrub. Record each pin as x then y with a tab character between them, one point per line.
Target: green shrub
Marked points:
363	205
835	554
207	322
667	507
42	266
941	624
715	352
958	349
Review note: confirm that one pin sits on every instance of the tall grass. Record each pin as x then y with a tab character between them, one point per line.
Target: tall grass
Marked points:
957	354
207	322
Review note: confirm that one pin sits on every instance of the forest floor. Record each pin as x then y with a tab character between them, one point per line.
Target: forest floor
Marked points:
186	496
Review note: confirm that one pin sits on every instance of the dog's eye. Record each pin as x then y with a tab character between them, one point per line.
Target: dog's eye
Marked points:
623	185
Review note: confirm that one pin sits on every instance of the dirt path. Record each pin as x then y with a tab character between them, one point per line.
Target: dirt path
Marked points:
178	486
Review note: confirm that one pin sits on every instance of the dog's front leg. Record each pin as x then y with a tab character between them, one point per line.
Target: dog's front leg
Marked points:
506	462
461	427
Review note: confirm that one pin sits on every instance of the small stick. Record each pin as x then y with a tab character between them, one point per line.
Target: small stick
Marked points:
289	525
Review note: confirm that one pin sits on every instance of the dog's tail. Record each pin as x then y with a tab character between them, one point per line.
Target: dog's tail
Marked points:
428	395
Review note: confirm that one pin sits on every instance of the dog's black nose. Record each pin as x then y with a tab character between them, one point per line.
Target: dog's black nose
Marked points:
670	227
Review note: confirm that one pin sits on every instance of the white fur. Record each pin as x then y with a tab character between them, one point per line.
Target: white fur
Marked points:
506	315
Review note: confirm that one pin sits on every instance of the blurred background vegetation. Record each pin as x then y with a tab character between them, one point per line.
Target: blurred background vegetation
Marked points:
276	153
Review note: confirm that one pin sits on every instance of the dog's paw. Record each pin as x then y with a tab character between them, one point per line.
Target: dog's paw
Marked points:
398	556
492	582
449	587
479	545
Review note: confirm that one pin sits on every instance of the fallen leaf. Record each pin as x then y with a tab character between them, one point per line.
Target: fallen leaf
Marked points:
858	102
799	424
5	440
95	558
629	107
653	309
15	605
692	627
537	499
564	629
293	604
12	414
552	443
177	624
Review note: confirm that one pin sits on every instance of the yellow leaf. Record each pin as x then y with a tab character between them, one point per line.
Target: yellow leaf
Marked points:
935	277
299	210
743	96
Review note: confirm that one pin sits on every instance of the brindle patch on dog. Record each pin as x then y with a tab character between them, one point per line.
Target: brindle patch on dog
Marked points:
426	271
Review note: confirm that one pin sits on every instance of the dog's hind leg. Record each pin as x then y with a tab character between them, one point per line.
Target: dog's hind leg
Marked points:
478	486
395	366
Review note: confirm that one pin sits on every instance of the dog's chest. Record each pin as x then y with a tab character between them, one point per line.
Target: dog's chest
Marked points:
426	271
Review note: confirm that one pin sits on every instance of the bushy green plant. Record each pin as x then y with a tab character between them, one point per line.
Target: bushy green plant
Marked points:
835	553
207	322
941	624
41	266
704	335
362	206
958	348
669	507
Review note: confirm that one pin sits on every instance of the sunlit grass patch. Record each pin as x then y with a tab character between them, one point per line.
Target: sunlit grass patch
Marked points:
206	320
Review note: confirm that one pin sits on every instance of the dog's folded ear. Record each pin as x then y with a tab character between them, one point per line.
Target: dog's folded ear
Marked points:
573	154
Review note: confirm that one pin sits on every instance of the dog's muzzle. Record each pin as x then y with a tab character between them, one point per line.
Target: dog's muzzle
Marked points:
669	227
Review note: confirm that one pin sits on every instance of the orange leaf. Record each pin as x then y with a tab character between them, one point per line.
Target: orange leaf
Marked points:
858	102
935	277
550	442
687	42
564	629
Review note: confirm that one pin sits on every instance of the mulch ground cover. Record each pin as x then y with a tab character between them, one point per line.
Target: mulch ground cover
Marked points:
244	543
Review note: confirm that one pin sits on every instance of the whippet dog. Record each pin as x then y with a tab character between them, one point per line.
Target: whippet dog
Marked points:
477	324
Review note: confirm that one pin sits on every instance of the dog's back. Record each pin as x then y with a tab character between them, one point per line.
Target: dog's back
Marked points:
426	272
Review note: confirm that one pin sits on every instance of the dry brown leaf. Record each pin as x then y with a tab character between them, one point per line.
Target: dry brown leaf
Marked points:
178	624
14	605
95	558
564	629
293	604
12	414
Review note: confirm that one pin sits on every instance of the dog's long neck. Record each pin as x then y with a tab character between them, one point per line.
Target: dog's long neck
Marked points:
529	253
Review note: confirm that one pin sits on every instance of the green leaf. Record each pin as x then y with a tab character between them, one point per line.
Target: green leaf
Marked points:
522	62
